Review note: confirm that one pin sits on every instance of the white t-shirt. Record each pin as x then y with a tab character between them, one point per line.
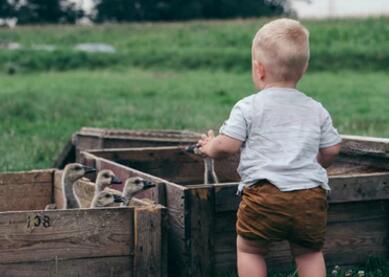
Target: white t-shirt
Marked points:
282	131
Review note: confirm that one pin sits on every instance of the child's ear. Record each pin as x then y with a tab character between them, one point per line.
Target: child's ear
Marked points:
259	70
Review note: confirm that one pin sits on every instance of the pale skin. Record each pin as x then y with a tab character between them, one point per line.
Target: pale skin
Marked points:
250	262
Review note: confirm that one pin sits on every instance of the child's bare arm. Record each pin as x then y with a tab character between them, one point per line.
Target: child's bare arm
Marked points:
327	155
219	146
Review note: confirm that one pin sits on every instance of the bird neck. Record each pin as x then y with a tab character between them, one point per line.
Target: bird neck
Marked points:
70	200
210	176
127	195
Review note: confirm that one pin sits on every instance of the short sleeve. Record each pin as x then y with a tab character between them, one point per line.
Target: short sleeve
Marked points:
329	135
236	125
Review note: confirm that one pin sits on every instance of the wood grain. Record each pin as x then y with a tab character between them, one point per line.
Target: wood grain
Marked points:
70	234
30	190
87	267
202	231
150	246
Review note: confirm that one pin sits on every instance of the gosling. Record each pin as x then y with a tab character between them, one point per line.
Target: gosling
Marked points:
106	199
133	186
104	179
71	174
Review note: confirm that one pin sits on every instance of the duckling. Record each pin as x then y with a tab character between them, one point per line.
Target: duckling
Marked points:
210	176
104	179
133	186
72	172
106	199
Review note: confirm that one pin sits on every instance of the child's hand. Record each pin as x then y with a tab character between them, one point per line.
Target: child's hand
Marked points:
204	143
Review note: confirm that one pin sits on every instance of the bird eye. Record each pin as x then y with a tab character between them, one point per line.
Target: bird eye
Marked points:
106	175
107	196
137	181
78	167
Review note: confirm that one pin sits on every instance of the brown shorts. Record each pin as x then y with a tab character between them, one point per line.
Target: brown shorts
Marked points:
267	214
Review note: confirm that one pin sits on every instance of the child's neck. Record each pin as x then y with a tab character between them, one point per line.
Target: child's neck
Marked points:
280	85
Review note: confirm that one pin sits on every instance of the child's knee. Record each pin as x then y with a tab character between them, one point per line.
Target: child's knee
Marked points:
257	247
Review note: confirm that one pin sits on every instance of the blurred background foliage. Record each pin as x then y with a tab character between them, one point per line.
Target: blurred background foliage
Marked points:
64	11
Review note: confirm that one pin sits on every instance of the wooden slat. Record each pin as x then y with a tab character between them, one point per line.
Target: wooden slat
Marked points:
69	234
178	205
202	231
27	177
170	163
380	163
226	198
161	134
26	190
365	145
361	187
86	267
349	168
150	249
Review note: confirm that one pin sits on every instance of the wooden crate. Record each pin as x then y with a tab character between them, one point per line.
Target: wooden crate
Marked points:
98	138
123	241
202	217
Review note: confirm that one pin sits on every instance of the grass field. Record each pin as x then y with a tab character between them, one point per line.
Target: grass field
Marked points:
176	76
225	45
40	111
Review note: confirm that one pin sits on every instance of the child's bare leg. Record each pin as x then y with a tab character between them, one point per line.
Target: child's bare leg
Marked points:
311	265
250	260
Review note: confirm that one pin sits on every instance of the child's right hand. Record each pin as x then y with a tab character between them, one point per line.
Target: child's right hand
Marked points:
203	143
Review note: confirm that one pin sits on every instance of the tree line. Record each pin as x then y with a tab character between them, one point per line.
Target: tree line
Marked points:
64	11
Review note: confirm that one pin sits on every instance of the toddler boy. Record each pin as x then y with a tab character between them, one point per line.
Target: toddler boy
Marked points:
286	140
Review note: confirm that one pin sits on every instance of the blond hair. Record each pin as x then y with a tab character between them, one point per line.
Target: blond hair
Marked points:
282	46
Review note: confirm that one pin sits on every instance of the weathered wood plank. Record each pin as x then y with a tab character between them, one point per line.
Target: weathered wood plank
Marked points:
349	168
162	135
365	145
149	248
226	198
170	163
27	177
86	267
23	197
30	190
42	235
96	138
202	231
360	187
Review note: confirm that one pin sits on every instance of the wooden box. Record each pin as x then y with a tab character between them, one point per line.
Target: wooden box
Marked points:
98	138
202	217
122	241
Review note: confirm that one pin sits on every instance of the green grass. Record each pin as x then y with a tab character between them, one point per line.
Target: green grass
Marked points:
40	111
225	45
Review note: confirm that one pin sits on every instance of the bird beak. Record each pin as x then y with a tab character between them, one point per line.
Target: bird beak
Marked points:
191	148
148	184
118	198
115	180
89	169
